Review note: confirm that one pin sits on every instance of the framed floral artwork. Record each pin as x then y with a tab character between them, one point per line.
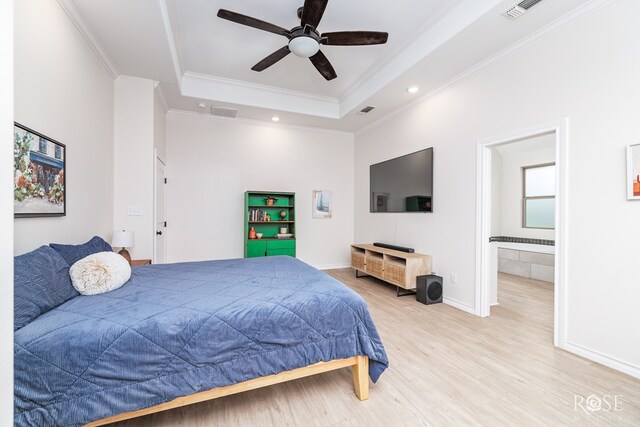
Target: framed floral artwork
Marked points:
633	172
39	166
322	204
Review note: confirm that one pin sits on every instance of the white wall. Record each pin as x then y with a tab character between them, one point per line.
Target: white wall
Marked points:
512	163
587	71
213	162
134	160
63	91
6	213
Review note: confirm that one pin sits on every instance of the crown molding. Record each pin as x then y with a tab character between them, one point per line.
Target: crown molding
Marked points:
74	15
570	17
206	116
273	89
173	38
256	95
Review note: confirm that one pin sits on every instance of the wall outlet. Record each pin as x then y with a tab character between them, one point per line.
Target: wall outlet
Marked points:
454	279
134	211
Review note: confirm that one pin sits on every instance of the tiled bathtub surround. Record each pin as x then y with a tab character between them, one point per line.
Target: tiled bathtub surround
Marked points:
532	265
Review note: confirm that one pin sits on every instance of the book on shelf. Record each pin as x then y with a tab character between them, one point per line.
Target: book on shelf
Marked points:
284	235
256	215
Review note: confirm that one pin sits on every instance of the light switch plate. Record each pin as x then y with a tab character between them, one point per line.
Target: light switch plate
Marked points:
134	211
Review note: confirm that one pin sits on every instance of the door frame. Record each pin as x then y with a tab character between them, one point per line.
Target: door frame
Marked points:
156	159
483	220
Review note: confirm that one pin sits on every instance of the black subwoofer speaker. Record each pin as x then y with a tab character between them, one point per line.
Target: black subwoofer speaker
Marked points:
429	289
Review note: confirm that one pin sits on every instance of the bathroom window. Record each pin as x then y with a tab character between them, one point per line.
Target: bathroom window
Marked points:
539	196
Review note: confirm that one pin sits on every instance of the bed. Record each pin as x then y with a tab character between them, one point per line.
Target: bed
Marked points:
177	334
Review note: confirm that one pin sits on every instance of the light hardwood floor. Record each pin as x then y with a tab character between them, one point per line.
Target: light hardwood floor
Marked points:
447	367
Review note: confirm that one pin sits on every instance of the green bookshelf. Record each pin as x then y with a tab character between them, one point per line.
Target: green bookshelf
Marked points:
256	210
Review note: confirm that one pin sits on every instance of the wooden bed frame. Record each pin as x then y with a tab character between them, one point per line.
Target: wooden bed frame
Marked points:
359	365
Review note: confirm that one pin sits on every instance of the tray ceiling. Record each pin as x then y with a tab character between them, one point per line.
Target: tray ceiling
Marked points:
198	57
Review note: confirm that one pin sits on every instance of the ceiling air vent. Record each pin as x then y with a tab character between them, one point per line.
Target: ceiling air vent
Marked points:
366	110
519	9
224	112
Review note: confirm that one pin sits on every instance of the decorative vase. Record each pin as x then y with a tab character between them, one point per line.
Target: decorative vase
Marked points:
252	233
283	215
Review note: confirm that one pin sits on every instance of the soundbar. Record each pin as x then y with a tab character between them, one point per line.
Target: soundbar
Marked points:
394	247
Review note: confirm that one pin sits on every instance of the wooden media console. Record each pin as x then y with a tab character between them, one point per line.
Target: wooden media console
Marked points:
395	267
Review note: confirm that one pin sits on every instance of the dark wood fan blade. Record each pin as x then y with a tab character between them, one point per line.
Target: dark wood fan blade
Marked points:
271	59
312	12
323	65
252	22
354	38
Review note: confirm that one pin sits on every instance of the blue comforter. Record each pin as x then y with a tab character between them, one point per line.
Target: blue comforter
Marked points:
177	329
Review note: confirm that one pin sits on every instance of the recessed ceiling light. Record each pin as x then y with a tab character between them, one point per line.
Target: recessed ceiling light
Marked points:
413	89
275	118
202	105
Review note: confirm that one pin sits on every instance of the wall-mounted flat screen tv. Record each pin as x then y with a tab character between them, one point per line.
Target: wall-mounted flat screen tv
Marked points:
403	184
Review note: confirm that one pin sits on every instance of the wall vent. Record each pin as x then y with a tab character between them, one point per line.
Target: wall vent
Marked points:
519	9
366	109
224	112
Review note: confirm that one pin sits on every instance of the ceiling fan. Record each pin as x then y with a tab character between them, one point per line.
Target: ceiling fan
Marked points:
305	40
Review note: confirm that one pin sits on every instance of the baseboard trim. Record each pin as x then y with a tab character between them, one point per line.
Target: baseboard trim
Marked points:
332	266
459	305
603	359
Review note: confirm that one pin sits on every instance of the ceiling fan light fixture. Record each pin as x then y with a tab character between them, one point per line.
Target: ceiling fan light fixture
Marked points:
304	46
305	39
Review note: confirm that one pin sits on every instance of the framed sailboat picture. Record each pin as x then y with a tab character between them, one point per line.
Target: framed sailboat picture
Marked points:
322	204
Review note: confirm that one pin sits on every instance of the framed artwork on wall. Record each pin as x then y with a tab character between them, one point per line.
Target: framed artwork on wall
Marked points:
39	166
322	204
633	172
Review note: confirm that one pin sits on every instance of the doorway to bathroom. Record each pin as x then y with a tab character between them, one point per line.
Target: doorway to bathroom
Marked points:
521	224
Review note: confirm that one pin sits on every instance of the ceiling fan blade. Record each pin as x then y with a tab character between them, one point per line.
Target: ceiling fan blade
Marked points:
354	38
252	22
271	59
323	65
312	12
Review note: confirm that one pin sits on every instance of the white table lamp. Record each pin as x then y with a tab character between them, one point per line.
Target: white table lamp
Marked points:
123	239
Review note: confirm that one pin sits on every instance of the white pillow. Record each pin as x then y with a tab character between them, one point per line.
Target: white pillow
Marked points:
100	272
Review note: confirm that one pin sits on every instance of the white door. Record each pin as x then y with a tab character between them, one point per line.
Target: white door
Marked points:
160	213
